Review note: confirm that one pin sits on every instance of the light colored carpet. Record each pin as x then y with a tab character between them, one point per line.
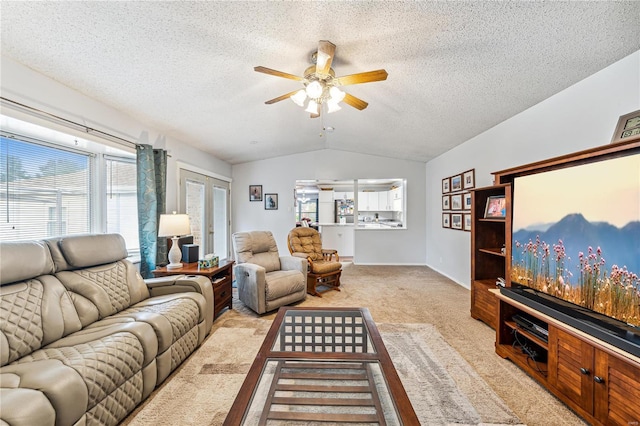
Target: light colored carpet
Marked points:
424	320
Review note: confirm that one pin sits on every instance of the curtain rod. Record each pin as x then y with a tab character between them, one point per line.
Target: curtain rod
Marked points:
82	127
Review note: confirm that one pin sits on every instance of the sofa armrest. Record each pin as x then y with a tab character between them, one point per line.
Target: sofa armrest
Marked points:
180	284
291	263
41	389
251	282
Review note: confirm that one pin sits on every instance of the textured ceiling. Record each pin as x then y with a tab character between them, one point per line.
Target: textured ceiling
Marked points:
186	68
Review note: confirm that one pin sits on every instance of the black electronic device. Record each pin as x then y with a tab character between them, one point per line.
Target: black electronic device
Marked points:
190	253
527	324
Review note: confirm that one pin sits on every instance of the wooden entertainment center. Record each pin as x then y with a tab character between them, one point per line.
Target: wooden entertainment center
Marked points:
598	380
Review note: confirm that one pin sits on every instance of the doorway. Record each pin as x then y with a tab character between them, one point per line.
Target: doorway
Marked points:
206	200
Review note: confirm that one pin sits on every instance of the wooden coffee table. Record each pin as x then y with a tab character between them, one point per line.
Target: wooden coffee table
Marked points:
322	365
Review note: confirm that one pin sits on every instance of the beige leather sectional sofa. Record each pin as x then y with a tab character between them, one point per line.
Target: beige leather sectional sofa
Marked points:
84	338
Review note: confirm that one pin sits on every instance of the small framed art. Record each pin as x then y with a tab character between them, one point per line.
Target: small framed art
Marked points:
467	221
446	220
456	220
255	192
446	202
469	179
446	185
456	183
496	207
628	126
271	201
456	202
466	201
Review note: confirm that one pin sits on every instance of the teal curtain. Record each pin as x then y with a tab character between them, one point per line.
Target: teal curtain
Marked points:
152	202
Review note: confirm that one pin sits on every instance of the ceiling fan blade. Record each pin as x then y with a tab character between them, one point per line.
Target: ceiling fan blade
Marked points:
363	77
354	102
278	73
281	98
324	57
314	115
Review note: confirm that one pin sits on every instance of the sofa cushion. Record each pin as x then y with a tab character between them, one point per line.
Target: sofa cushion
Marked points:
81	251
34	313
282	283
306	240
100	291
24	260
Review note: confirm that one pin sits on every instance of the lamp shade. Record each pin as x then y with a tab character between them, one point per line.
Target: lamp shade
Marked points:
173	225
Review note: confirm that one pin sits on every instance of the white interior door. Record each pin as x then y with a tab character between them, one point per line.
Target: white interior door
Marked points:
206	201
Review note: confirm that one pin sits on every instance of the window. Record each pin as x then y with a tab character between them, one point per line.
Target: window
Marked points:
122	201
52	183
45	190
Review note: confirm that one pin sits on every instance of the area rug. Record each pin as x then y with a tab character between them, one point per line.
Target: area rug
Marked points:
443	388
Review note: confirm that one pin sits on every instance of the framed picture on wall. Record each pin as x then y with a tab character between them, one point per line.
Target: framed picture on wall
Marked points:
456	202
446	202
446	185
255	192
446	220
466	201
467	221
456	220
456	183
271	201
469	179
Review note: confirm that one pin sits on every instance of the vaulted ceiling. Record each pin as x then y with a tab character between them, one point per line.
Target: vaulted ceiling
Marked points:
455	69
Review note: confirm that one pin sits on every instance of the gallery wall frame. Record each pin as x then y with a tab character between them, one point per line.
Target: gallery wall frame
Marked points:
446	185
456	202
469	179
467	221
446	220
271	201
456	221
255	192
456	183
446	202
466	201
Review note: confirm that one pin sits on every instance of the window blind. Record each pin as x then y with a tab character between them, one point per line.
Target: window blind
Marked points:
44	190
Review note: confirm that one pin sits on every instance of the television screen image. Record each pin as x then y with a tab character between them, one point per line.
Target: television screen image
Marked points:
576	235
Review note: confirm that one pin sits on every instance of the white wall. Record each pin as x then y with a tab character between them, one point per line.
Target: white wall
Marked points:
278	175
581	117
22	84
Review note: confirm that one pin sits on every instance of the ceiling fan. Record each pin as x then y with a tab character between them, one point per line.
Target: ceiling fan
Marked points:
321	84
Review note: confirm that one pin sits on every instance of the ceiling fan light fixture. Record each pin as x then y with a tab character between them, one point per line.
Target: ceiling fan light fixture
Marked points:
336	94
312	108
299	97
333	107
314	89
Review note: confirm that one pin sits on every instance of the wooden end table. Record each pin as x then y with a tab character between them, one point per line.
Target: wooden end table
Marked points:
221	278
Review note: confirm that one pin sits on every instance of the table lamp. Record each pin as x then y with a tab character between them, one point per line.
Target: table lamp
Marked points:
174	225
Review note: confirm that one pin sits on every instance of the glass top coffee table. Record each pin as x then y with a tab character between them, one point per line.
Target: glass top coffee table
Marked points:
322	366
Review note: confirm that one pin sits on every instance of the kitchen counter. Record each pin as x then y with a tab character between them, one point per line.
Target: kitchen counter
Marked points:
336	224
380	225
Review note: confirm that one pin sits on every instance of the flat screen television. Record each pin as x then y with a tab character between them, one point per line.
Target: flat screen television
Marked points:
576	240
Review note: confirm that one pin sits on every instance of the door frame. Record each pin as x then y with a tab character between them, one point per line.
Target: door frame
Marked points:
194	169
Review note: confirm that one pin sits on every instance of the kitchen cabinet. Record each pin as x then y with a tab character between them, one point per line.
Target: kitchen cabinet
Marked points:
326	213
368	201
342	195
383	201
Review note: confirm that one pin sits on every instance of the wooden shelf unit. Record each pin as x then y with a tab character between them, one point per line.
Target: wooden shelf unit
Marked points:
597	380
488	259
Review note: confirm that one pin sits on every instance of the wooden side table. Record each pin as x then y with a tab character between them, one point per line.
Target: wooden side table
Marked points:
221	278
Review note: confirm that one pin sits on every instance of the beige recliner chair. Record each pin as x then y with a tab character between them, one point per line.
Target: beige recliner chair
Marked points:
266	280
